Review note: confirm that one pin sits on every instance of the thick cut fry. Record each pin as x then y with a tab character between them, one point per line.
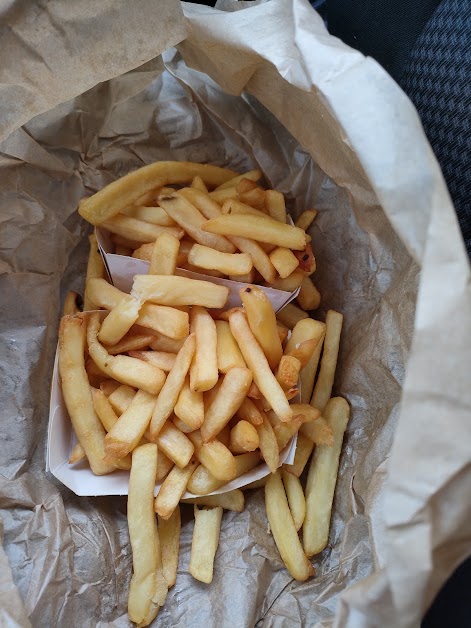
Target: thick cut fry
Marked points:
165	290
104	409
262	322
284	261
220	196
203	482
275	204
148	588
268	444
78	454
164	255
262	229
131	342
175	445
166	344
244	437
284	530
306	219
155	215
172	489
295	495
161	359
224	435
215	456
199	184
169	533
172	387
204	368
252	175
138	230
121	398
257	362
77	394
164	466
190	407
304	339
227	401
248	411
126	191
109	386
309	297
95	269
202	271
322	478
232	206
260	259
287	373
325	381
126	433
192	221
232	500
203	203
204	543
71	304
119	321
226	263
289	283
319	431
183	427
290	315
304	447
228	352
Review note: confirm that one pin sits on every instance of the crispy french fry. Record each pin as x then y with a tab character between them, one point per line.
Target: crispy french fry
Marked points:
290	315
304	339
108	386
325	380
322	478
138	230
287	373
78	454
215	456
126	433
226	263
190	407
295	495
162	359
204	368
165	290
248	411
309	297
155	215
252	175
148	588
227	349
232	500
284	530
306	218
284	261
95	269
275	203
227	401
131	342
268	444
77	394
244	437
257	362
164	255
262	321
71	304
289	283
166	344
203	482
172	489
164	466
119	321
120	399
219	196
205	543
233	206
175	445
199	184
260	259
169	533
304	447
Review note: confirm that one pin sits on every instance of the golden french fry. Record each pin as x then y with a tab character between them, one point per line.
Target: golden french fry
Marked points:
199	184
190	407
254	198
227	401
108	386
287	373
325	380
148	588
244	437
215	456
289	283
119	321
227	349
284	432
119	240
275	204
70	304
95	269
233	206
202	271
219	196
252	175
306	218
257	362
295	495
254	391
203	203
154	215
322	478
304	447
175	445
205	543
164	466
164	256
284	261
309	297
104	409
172	489
203	482
284	530
126	433
232	500
307	334
262	321
169	533
226	263
167	345
161	359
77	394
268	444
120	399
260	259
138	230
245	185
126	191
78	454
131	343
290	315
204	368
174	290
318	431
248	411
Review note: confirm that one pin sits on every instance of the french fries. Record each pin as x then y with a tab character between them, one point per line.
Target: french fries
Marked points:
215	456
164	256
232	500
95	269
190	407
205	542
244	437
325	381
172	489
295	495
169	533
226	263
306	218
227	350
138	230
204	368
174	291
262	322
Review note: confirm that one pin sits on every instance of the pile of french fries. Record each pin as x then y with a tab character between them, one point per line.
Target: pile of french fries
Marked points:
168	384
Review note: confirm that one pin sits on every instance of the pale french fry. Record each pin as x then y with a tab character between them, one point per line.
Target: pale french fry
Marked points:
126	433
287	373
254	197
322	478
165	290
252	175
227	401
309	297
202	271
166	344
123	368
262	321
233	206
169	533
119	321
190	407
204	368
77	394
172	489
226	263
183	427
254	391
203	482
275	204
295	495
164	256
307	334
284	530
262	229
248	411
306	218
268	444
175	445
108	386
164	466
224	435
104	409
290	315
132	343
78	454
260	259
199	184
192	221
205	543
232	500
247	278
148	588
325	380
155	215
203	203
227	349
161	359
120	399
144	252
215	456
219	196
244	437
304	447
138	230
172	387
165	320
95	269
289	283
318	431
257	362
284	261
70	304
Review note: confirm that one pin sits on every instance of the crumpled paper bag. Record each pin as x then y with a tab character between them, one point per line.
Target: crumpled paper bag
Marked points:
329	128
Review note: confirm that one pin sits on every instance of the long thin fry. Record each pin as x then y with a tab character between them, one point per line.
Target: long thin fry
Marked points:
304	447
252	175
175	291
295	495
325	380
169	532
172	489
95	269
262	322
138	230
204	368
